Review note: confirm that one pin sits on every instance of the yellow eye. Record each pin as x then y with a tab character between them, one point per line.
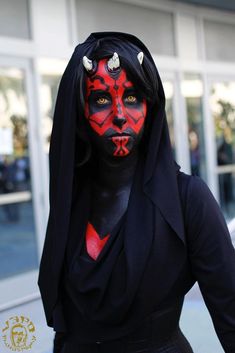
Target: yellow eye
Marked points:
102	100
131	99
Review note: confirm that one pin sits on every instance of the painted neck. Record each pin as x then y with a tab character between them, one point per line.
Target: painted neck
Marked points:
116	173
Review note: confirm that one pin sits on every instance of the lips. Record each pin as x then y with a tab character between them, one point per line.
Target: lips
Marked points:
123	134
120	137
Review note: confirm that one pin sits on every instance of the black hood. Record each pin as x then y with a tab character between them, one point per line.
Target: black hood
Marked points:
159	174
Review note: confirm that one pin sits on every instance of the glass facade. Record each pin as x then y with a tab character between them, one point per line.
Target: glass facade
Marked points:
218	39
17	228
192	91
222	104
15	19
169	92
146	23
50	70
49	89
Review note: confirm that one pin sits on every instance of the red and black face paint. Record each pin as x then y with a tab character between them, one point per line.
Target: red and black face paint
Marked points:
114	109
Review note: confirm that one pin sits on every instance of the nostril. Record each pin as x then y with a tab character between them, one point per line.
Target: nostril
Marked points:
119	121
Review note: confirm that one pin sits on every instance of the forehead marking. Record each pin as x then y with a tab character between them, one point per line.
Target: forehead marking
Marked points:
99	78
115	87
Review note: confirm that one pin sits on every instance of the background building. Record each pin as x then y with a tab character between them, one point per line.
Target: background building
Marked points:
192	43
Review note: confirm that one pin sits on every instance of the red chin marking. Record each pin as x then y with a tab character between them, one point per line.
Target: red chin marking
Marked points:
121	142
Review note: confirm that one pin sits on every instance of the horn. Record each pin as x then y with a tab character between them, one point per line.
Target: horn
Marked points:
140	57
114	62
87	63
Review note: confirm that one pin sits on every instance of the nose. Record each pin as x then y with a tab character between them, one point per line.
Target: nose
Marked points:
119	119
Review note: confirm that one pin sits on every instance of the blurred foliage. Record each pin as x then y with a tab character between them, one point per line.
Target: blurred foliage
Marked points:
225	121
20	135
9	84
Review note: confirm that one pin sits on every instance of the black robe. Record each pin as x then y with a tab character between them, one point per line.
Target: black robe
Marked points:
173	234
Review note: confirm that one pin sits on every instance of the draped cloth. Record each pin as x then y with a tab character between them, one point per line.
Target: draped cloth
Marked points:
122	287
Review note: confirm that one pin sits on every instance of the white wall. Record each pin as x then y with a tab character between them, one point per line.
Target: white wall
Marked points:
147	24
51	28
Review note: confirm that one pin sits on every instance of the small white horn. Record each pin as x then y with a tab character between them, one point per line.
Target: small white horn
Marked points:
140	57
114	62
87	63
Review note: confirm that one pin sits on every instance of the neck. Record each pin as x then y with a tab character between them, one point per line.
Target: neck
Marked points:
116	173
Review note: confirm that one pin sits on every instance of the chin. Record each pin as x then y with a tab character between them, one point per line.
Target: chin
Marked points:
114	150
121	153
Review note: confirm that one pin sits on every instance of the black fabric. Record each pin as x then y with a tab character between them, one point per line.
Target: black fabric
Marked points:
59	342
148	338
176	344
159	249
158	333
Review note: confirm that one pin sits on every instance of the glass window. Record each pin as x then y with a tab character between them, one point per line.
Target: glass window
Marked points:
158	33
51	71
219	39
169	91
222	104
14	19
49	89
192	90
17	229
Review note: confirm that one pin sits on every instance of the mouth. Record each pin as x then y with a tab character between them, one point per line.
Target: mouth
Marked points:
123	134
116	138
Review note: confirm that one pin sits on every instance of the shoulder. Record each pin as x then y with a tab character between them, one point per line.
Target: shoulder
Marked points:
194	190
203	217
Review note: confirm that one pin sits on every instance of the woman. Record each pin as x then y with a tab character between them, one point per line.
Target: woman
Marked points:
128	233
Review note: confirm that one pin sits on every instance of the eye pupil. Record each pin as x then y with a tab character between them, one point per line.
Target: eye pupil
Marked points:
101	100
131	98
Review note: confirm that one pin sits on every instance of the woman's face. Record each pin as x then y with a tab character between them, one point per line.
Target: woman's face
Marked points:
115	111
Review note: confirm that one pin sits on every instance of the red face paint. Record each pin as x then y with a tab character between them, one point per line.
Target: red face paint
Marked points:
94	244
121	145
114	109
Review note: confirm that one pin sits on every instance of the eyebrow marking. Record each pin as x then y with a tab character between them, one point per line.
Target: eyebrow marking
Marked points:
101	79
127	84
